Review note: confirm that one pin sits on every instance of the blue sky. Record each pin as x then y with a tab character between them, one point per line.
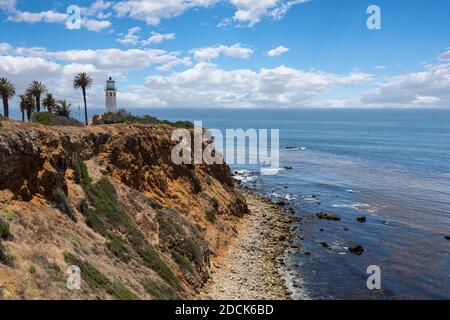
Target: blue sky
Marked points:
234	53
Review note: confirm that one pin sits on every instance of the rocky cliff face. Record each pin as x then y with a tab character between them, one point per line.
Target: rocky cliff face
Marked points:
109	200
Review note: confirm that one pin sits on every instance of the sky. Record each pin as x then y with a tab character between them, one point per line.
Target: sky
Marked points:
233	53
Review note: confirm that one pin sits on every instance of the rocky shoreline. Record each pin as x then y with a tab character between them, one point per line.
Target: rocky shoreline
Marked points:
253	266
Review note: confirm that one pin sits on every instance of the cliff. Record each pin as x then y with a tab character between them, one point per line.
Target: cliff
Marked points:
109	200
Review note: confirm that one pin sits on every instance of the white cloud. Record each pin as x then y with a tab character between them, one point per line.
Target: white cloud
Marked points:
278	51
445	56
34	17
207	85
430	87
131	38
5	47
156	38
8	5
248	12
114	60
380	67
252	11
152	11
21	70
95	25
211	53
51	16
98	9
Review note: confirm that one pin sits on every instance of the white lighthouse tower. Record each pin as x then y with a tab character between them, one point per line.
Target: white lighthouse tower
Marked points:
110	91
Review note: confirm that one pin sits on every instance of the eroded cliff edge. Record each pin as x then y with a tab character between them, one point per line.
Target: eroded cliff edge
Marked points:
109	200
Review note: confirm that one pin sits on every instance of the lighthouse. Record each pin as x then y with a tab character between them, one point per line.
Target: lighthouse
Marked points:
110	91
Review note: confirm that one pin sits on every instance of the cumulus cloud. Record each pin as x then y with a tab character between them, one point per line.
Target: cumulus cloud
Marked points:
34	17
156	38
98	9
8	5
248	12
51	16
211	53
152	11
251	12
445	56
206	84
278	51
131	38
5	47
430	87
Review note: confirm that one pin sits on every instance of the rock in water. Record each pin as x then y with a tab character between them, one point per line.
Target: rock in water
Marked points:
361	219
447	237
358	250
328	216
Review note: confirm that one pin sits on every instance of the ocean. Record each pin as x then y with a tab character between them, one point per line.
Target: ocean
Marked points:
391	166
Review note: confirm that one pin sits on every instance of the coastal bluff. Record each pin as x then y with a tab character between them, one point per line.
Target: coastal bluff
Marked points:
109	200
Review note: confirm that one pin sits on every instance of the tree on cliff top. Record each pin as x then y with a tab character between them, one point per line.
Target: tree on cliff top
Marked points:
7	90
83	81
37	89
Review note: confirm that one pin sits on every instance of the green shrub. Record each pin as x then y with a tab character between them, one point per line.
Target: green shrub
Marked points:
211	215
109	213
158	291
51	119
5	258
196	186
215	203
194	250
45	118
120	292
118	248
94	222
122	116
183	262
81	173
208	180
61	202
97	281
153	261
32	269
9	214
5	233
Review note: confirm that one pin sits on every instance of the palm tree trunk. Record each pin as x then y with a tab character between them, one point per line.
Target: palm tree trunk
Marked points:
29	114
5	107
38	103
23	115
85	106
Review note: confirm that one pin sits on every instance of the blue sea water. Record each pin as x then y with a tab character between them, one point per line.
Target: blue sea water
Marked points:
392	166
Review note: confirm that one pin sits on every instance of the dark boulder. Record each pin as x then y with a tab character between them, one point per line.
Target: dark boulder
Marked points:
361	219
328	216
358	250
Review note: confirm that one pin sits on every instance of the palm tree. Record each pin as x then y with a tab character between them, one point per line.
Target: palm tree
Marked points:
37	89
63	108
49	102
83	81
23	105
28	104
7	90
